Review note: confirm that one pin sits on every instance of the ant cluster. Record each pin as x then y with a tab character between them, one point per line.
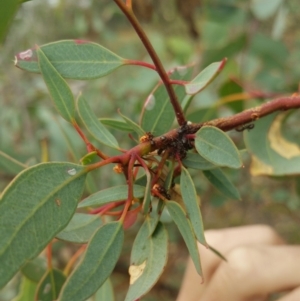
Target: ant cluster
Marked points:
178	145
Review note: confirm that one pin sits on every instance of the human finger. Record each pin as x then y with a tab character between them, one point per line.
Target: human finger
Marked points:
223	240
254	272
294	295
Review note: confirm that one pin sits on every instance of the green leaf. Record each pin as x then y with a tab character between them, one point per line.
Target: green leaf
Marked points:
105	292
263	9
112	194
280	23
50	286
10	165
273	53
73	59
58	88
35	206
195	161
192	204
186	102
148	259
27	290
93	125
135	127
158	114
203	114
97	264
219	254
272	152
229	49
154	216
147	194
204	78
229	89
35	269
80	228
89	158
116	124
219	180
186	230
215	146
169	180
7	13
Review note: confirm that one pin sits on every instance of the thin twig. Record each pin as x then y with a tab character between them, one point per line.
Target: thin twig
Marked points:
159	66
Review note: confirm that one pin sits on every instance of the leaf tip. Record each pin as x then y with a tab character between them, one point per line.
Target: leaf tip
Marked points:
222	64
27	55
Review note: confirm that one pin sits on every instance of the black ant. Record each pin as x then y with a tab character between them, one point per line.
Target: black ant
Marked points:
243	127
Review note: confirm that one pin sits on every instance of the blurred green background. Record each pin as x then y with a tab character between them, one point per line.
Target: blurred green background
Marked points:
260	38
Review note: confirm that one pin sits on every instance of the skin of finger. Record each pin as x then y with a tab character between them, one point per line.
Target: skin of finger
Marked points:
292	296
224	241
254	272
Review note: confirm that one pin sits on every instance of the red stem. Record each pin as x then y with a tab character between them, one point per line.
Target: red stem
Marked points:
130	186
140	63
178	82
103	209
73	259
49	256
160	167
159	67
90	147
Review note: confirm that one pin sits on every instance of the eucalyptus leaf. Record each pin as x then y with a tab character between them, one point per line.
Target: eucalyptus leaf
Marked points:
154	216
105	292
135	127
147	194
158	114
192	204
219	180
98	262
195	161
10	165
58	88
74	59
112	194
34	207
80	228
148	259
35	269
204	78
263	9
26	291
50	285
89	158
93	125
116	124
216	146
184	225
272	153
7	13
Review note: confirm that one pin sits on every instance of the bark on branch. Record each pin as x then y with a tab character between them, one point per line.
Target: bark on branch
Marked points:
253	114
